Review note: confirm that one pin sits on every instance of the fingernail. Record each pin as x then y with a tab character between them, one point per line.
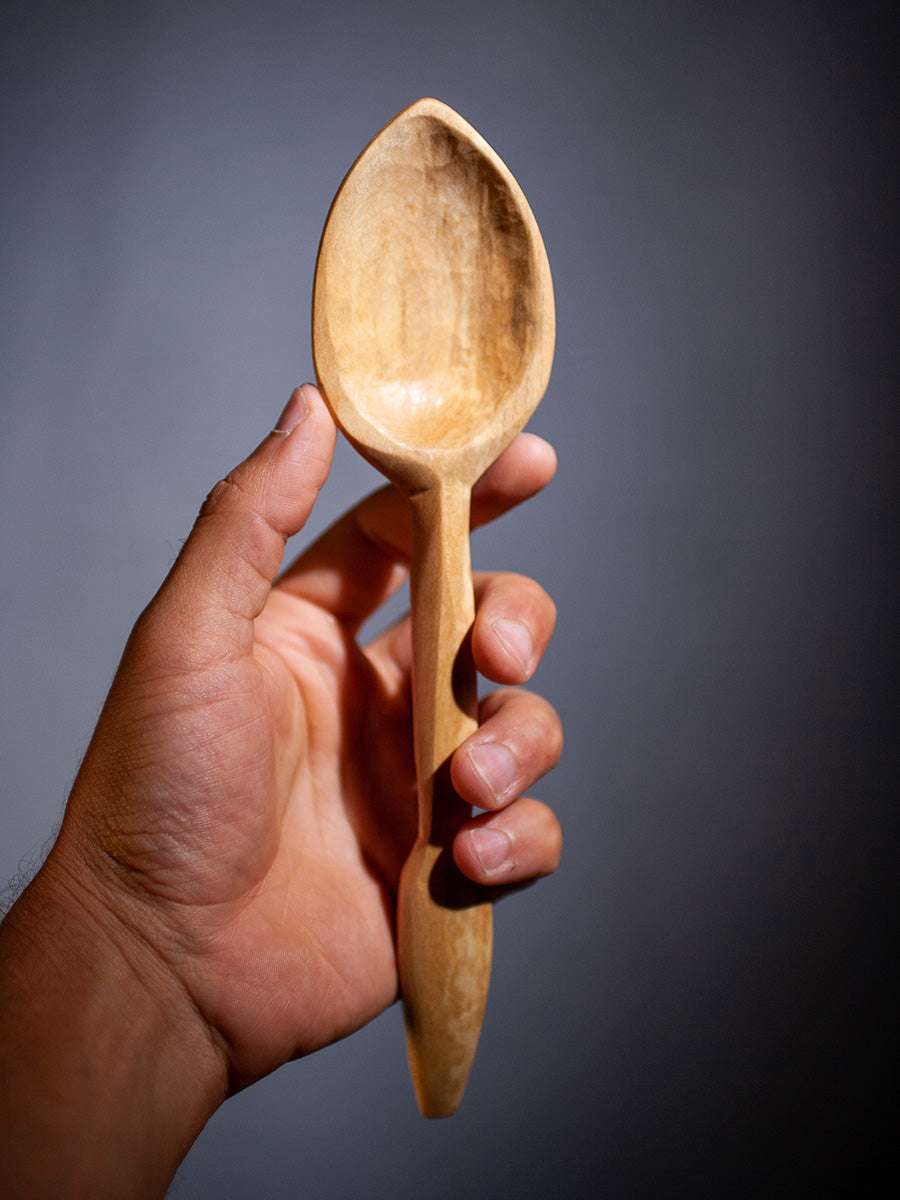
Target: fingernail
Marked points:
292	414
491	847
495	765
516	640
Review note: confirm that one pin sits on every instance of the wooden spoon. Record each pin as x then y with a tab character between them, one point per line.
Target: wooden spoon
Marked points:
433	332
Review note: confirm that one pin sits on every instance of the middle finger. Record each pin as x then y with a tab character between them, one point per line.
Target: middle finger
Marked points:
514	620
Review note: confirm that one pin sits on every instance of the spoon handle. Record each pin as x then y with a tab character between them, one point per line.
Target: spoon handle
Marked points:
444	927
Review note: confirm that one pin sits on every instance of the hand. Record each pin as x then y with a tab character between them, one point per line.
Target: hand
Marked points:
249	795
220	897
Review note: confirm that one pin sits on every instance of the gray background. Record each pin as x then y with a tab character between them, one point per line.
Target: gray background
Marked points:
693	1005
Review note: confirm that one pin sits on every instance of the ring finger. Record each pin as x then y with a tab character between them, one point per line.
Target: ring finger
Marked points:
518	740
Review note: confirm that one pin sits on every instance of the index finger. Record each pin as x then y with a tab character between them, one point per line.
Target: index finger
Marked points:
361	560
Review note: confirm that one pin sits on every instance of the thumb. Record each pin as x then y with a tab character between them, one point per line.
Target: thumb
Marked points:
222	577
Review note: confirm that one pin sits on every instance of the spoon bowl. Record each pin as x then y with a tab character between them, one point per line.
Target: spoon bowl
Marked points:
433	333
433	304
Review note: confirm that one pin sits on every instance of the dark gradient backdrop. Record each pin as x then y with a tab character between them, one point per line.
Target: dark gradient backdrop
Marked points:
694	1005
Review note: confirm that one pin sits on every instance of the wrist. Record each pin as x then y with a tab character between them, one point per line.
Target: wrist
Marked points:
109	1070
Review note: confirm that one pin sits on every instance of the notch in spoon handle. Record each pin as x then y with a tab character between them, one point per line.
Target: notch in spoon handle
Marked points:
444	926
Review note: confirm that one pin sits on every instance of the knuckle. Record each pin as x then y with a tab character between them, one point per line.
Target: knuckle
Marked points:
223	495
529	725
544	736
520	598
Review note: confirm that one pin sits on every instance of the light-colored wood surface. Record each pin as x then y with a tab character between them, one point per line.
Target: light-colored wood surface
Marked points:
433	334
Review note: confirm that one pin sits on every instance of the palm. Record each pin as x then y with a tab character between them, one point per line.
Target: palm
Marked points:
306	841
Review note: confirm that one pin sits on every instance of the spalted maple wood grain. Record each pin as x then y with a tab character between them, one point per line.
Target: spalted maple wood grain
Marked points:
433	333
